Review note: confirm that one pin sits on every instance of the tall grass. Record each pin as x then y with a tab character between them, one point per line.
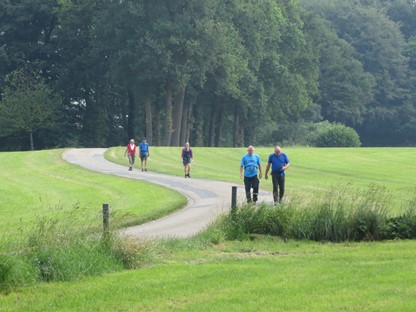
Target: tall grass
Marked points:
64	249
342	214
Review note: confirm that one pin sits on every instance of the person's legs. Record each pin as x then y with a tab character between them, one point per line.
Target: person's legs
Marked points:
281	182
141	162
247	185
275	177
185	167
255	184
131	161
145	163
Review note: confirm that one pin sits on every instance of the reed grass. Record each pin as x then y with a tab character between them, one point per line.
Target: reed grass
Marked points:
66	249
343	214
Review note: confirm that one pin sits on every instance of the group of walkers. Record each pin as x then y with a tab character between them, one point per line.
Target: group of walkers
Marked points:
131	152
250	168
144	154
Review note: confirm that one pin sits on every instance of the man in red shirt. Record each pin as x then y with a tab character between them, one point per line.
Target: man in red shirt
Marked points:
131	151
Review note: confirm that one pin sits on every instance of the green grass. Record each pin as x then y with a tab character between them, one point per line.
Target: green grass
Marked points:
262	274
39	184
312	170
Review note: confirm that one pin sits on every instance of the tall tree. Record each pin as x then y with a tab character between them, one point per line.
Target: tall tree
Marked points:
27	36
378	44
28	105
84	82
345	89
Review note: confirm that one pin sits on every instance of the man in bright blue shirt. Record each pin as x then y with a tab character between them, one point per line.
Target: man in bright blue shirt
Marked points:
144	154
279	163
251	165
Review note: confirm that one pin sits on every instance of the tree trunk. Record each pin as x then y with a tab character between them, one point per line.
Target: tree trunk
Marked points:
250	130
185	126
212	126
177	116
95	128
253	135
189	125
168	121
218	130
236	125
32	145
131	121
124	117
149	120
199	126
238	140
158	137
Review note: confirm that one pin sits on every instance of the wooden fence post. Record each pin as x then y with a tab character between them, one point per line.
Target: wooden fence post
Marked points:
233	201
106	217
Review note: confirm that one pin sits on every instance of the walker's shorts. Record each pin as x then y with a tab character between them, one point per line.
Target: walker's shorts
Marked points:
186	161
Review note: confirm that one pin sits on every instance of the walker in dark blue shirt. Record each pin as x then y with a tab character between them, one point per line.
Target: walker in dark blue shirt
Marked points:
278	161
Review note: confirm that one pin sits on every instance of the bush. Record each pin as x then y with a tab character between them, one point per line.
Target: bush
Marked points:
335	135
401	227
319	134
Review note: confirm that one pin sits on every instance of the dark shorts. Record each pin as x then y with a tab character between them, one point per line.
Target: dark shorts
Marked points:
186	161
144	156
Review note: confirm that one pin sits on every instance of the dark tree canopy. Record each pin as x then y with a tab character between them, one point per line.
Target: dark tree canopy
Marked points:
214	72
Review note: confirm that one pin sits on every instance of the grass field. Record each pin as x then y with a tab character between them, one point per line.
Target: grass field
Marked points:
38	184
312	170
263	274
246	276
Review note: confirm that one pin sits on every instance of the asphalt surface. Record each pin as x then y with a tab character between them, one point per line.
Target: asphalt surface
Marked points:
206	198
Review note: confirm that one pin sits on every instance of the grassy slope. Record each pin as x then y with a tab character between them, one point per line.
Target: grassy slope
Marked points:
40	183
312	170
265	275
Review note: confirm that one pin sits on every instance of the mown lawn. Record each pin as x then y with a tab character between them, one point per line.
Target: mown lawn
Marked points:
312	170
38	184
264	274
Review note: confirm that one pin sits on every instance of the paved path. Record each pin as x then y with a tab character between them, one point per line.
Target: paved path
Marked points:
206	198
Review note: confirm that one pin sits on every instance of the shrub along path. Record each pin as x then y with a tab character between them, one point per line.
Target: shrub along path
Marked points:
206	198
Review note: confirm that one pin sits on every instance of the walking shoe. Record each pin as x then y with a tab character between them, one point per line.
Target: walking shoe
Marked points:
186	176
189	175
142	170
145	169
130	169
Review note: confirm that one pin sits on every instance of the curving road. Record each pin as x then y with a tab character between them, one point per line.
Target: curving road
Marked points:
206	199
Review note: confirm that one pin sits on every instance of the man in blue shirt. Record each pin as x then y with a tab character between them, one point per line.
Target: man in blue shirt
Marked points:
144	154
251	165
279	163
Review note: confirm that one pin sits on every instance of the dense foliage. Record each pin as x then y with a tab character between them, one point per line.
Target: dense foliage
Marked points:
217	73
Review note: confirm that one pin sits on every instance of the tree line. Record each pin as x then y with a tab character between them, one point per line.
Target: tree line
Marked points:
213	72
